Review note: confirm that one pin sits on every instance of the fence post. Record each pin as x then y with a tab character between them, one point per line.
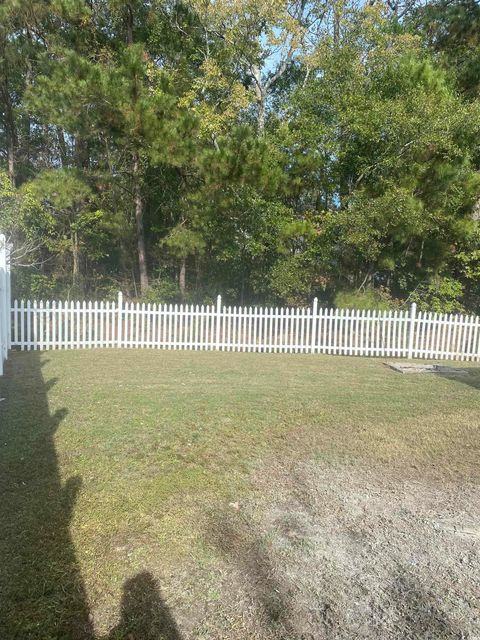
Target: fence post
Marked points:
119	319
217	323
3	300
8	293
411	332
313	333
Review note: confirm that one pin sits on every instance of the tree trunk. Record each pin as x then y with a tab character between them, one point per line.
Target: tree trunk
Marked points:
261	114
10	132
82	157
62	147
260	92
182	276
27	124
336	25
137	189
7	108
11	160
198	272
142	256
129	23
76	262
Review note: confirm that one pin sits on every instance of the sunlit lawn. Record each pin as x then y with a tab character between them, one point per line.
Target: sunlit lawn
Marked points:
113	464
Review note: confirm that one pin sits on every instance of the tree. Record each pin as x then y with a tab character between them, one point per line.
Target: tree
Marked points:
64	204
263	39
387	148
265	150
121	98
451	31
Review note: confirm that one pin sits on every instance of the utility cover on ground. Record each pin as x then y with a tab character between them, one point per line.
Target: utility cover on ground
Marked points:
409	367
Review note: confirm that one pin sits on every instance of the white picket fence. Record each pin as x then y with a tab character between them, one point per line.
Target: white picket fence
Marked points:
5	333
398	334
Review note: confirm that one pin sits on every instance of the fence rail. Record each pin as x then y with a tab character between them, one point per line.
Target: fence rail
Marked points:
399	334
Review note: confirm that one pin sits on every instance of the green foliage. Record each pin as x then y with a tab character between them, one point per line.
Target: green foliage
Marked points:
452	31
370	299
290	280
162	291
60	206
441	295
398	154
30	285
9	205
182	242
267	151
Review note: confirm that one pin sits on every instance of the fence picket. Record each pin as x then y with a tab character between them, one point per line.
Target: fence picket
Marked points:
318	324
454	337
201	322
22	325
376	349
15	321
467	337
54	325
153	339
475	344
443	320
464	337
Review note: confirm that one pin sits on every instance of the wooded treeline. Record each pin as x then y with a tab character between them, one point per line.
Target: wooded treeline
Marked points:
268	150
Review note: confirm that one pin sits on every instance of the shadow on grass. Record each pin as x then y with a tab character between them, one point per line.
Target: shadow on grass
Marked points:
472	378
419	613
410	611
144	615
273	594
236	540
42	594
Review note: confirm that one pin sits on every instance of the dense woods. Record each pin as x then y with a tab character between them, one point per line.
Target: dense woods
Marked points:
267	150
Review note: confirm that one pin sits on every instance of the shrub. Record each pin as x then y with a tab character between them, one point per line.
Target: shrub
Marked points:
379	299
441	295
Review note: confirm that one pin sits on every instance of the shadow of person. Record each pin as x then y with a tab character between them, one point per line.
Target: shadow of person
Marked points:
41	589
42	593
144	615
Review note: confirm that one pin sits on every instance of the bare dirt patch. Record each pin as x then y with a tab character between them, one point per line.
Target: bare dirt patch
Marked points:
412	367
347	552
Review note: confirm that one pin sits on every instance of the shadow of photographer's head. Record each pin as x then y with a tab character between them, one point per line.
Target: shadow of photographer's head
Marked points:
144	615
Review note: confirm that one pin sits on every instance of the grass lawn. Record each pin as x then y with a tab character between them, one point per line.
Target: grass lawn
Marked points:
181	495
